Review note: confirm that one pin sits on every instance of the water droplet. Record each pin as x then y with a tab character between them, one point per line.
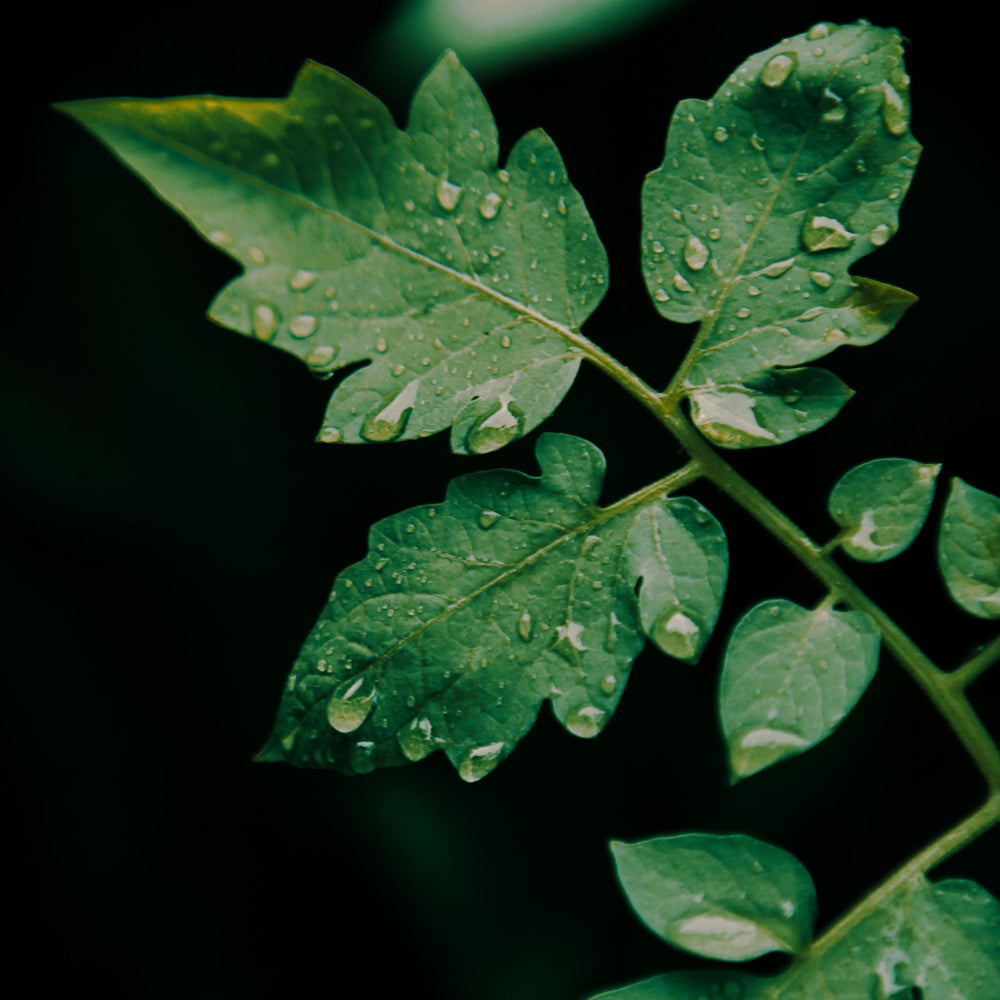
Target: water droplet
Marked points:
479	761
505	341
301	280
320	357
778	69
487	518
350	703
448	194
880	235
695	253
821	232
561	206
821	278
410	205
416	739
389	422
586	721
569	642
894	112
818	31
490	205
720	134
608	683
743	312
714	233
753	290
329	435
257	255
661	295
778	268
677	634
265	321
363	757
302	325
681	283
757	142
525	626
497	428
834	108
221	237
656	246
380	345
504	176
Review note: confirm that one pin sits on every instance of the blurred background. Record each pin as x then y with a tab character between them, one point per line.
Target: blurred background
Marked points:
172	532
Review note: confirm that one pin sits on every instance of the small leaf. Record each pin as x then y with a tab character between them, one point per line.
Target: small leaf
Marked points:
729	897
771	408
458	283
942	937
678	550
881	506
969	549
767	194
789	678
466	615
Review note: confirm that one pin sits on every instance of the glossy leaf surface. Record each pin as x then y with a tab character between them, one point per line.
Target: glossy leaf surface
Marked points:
729	897
881	506
767	194
789	678
935	941
466	615
456	281
969	549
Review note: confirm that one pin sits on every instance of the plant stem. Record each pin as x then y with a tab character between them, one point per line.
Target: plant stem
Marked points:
939	686
979	664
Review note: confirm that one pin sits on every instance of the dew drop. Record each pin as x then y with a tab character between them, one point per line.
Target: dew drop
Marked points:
416	739
778	268
586	721
505	341
301	280
479	761
695	253
714	233
265	321
834	108
821	232
880	235
363	757
448	194
257	255
757	142
681	283
497	428
380	345
720	134
661	295
525	626
569	642
894	112
656	246
487	518
818	31
608	683
320	357
778	69
302	325
390	421
561	206
350	703
221	237
329	435
677	634
490	205
821	278
743	312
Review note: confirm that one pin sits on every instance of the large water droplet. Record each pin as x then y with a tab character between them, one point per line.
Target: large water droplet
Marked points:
695	253
681	283
525	626
416	739
479	761
821	278
894	112
350	703
257	255
569	642
302	325
720	134
677	634
363	756
586	721
302	279
448	194
834	108
778	268
320	357
818	31
778	69
821	232
265	320
487	518
497	428
389	422
490	205
880	235
608	683
723	935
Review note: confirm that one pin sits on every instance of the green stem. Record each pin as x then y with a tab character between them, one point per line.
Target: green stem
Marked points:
939	687
962	677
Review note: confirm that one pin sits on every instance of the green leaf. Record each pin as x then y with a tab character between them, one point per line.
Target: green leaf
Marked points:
943	938
789	678
460	284
729	897
767	194
465	616
881	506
969	549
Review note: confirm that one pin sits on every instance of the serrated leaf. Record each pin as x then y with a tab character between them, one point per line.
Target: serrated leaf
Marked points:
767	194
466	615
943	938
789	678
881	506
969	549
729	897
458	282
678	550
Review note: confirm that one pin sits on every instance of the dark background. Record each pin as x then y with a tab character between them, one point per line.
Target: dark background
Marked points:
173	531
